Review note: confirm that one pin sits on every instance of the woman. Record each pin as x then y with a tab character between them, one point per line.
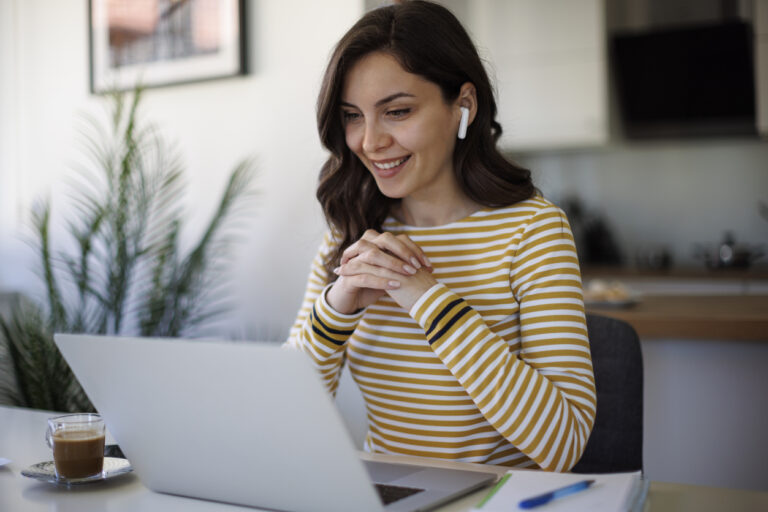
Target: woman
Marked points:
450	287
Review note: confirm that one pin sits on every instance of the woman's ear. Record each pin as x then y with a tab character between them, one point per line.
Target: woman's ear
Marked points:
468	99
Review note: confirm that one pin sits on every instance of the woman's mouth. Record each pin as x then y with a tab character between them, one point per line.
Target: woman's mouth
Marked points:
388	168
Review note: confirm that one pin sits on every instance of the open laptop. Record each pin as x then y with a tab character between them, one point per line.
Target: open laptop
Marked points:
242	422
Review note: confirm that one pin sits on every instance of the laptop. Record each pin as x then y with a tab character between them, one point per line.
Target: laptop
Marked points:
248	423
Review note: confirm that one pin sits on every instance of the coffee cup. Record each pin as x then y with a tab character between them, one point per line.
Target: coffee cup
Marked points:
77	441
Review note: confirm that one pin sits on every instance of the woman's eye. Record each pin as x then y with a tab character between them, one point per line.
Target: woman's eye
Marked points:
348	116
399	112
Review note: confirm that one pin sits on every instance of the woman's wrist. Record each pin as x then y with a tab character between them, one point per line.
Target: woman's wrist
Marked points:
412	288
334	297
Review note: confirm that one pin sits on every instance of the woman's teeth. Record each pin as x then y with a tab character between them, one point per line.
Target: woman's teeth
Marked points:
390	165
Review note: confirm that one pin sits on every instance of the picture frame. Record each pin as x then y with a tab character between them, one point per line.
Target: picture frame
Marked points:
156	43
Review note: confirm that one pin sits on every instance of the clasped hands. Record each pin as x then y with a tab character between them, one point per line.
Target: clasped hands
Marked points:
378	264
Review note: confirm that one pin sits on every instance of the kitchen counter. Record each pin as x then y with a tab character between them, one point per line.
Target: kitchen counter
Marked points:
723	317
691	302
756	272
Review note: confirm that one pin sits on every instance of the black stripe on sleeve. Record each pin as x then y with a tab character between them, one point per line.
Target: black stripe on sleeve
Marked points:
328	329
325	336
440	316
450	323
312	319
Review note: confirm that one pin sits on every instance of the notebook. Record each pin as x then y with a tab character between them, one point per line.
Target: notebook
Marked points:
248	423
609	492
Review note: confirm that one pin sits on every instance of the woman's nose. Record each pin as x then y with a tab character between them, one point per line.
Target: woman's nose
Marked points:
375	137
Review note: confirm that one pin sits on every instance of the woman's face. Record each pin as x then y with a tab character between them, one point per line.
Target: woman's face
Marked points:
400	127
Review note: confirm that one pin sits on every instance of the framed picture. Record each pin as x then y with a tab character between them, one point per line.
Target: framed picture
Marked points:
162	42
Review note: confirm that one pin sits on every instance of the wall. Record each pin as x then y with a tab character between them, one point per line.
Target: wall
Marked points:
9	179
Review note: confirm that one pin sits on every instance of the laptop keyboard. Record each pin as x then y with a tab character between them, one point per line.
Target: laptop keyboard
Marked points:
392	493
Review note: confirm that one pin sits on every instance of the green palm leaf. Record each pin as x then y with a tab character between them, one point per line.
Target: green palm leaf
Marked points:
125	271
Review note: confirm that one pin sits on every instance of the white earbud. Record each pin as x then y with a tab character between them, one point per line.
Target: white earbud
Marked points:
464	122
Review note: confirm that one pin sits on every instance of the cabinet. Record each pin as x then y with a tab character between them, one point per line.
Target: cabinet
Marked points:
549	63
761	65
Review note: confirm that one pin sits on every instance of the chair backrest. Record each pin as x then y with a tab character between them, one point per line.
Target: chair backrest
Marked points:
616	443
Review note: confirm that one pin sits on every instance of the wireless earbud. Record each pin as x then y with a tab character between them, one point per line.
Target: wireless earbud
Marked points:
464	122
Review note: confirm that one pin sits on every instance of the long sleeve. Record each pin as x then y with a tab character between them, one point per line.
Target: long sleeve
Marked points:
320	331
538	394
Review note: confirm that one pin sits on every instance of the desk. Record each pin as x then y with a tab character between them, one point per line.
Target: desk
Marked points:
22	440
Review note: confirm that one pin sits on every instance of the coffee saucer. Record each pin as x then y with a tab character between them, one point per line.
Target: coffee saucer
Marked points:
46	472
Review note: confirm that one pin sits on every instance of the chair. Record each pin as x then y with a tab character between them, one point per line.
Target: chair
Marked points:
616	443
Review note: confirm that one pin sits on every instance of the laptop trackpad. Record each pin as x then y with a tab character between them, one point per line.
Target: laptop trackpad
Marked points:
384	472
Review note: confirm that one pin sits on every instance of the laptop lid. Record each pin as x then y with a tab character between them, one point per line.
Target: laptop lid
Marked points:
240	422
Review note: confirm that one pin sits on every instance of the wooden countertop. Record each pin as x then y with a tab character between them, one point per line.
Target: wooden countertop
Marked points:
685	272
722	317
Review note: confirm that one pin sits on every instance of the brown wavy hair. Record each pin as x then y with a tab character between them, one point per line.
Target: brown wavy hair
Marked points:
427	40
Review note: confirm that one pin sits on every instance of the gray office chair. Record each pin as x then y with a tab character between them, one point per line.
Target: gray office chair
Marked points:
616	443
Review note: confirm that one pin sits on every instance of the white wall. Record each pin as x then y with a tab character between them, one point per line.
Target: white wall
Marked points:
268	113
9	179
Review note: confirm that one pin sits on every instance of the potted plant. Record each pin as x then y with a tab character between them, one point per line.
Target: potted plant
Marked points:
125	271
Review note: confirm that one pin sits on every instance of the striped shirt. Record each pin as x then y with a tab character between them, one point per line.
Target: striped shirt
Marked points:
490	365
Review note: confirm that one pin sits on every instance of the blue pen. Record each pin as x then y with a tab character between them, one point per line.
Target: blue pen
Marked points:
557	493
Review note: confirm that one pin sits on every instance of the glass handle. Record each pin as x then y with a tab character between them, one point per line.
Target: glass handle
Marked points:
49	437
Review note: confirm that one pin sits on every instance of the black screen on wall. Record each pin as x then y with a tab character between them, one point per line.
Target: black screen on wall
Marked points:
686	81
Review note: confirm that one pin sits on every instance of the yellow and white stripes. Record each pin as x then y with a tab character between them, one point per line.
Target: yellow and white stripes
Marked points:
491	364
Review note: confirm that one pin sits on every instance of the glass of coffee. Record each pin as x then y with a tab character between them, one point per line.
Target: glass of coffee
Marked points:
78	445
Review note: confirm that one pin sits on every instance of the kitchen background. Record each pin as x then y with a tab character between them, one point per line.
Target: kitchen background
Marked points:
563	123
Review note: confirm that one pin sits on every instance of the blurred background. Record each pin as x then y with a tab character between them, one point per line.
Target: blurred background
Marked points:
596	97
665	193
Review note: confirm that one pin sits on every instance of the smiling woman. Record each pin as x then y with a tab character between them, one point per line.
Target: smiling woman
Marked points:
450	287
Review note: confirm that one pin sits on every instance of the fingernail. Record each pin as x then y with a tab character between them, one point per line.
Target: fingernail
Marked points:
409	269
415	263
337	271
427	260
394	284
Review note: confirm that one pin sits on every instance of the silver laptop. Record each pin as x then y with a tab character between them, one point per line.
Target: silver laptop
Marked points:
242	422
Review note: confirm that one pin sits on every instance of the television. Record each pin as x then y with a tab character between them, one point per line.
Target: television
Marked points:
686	81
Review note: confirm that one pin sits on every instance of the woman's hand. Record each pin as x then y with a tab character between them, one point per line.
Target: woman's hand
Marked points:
376	264
411	288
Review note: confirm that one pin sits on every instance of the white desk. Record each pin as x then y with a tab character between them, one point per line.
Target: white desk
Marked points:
22	440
